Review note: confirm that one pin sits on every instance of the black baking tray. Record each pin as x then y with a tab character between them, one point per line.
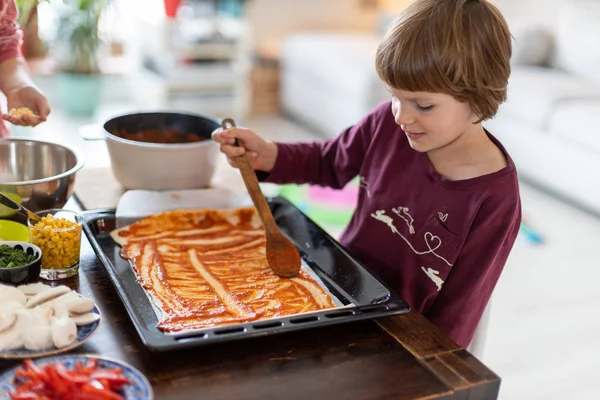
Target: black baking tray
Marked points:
346	278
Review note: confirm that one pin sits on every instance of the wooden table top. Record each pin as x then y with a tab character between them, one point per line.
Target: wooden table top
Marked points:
402	357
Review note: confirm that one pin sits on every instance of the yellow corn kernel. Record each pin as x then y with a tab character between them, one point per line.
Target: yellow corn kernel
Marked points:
17	112
59	239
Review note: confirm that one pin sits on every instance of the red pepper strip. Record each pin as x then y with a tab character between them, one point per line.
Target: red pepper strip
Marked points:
96	384
70	376
21	373
105	383
89	396
109	376
117	387
31	366
37	386
91	365
24	395
72	395
106	394
116	370
23	387
79	366
39	389
56	383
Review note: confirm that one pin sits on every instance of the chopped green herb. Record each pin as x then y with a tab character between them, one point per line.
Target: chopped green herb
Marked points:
13	258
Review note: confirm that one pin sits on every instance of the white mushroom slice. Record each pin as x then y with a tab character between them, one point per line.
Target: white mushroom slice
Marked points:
85	319
33	288
9	293
64	332
13	305
59	311
17	344
47	295
45	315
65	298
9	335
7	319
80	305
54	308
38	337
8	314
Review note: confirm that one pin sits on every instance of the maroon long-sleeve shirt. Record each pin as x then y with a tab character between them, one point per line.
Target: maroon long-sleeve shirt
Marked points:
440	244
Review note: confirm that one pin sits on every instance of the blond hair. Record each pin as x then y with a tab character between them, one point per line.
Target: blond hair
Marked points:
458	47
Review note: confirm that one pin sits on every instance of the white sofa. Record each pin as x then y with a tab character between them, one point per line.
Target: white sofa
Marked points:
550	123
328	80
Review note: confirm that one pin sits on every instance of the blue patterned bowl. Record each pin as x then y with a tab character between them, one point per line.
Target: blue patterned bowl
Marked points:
138	387
29	273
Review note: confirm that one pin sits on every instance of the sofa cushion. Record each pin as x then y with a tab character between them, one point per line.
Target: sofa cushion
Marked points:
577	33
342	62
577	121
532	45
534	93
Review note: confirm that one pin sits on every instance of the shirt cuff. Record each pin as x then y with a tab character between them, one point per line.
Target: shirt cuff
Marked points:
280	171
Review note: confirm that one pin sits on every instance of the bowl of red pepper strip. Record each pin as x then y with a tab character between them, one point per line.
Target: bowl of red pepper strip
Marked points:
70	377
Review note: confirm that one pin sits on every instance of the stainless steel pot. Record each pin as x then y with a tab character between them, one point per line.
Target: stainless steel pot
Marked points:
157	166
41	175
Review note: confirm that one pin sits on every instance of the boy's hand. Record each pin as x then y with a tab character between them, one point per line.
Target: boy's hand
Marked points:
21	100
261	153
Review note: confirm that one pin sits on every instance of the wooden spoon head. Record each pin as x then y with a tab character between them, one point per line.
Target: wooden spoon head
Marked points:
283	257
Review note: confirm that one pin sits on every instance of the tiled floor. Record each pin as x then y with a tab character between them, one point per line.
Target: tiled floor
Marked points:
544	333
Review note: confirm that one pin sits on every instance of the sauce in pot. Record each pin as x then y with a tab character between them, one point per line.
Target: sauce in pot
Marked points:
165	136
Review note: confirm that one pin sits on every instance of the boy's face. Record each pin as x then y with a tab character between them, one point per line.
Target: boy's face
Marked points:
431	120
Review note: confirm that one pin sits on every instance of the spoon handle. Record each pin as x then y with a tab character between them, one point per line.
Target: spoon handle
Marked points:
8	202
251	182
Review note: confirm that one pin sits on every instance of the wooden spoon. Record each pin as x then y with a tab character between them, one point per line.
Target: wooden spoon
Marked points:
282	255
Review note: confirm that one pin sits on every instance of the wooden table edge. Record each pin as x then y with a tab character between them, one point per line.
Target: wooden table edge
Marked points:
449	362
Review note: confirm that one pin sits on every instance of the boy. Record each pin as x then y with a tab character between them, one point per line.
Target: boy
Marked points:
439	208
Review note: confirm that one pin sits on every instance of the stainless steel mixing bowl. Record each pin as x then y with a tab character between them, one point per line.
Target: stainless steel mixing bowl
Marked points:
41	174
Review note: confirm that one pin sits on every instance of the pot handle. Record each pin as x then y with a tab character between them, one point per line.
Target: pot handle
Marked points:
92	132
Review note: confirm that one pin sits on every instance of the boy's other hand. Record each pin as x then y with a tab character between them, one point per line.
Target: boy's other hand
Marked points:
261	153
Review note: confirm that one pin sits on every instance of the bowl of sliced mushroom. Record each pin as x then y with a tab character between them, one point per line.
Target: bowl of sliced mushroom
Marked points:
38	320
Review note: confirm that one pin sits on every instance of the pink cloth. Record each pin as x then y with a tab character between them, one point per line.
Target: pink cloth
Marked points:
10	39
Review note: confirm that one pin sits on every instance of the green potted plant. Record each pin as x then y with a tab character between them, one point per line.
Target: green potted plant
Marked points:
28	21
77	49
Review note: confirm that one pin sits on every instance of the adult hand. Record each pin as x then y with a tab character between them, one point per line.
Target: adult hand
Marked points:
26	97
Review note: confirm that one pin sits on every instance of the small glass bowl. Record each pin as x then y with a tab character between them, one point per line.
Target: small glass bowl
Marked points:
60	243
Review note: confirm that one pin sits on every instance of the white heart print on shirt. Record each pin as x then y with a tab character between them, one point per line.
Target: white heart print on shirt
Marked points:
433	242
